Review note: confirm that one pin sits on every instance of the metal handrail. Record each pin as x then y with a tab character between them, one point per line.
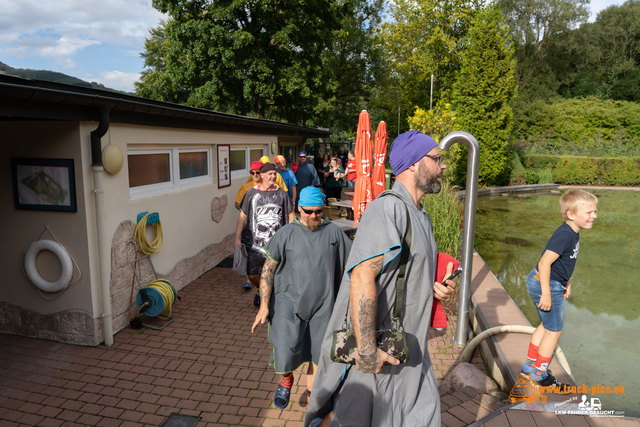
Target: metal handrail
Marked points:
473	161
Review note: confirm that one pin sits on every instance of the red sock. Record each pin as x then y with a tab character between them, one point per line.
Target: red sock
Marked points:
542	363
287	380
533	352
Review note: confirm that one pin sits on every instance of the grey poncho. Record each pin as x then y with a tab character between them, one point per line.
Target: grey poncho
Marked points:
306	283
404	395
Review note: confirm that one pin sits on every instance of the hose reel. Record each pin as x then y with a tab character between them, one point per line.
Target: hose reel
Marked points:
154	300
157	298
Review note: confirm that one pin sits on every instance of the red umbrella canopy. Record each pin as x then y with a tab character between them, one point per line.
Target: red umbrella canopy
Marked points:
379	179
362	195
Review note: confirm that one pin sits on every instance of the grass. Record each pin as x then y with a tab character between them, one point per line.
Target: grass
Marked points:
444	209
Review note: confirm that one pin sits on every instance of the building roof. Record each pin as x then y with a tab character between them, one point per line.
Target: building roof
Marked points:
29	99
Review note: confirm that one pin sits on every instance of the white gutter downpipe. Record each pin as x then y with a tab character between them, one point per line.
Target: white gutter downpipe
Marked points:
103	255
473	160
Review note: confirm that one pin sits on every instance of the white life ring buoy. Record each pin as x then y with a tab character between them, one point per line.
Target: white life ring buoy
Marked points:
32	271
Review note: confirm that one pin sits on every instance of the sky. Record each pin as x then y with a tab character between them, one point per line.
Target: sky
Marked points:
94	40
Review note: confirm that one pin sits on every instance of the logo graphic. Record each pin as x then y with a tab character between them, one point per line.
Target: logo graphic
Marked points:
575	251
594	405
526	391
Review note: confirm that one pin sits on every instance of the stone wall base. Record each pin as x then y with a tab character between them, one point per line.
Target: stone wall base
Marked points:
78	326
71	327
184	272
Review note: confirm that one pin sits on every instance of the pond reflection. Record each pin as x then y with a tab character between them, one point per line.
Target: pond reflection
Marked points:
602	317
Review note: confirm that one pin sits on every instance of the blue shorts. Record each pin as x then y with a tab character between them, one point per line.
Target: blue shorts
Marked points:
552	320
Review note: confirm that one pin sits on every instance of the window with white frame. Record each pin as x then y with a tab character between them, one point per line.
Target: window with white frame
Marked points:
241	158
164	170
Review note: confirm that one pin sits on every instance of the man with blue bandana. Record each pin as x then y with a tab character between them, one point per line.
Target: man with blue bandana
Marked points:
379	391
298	286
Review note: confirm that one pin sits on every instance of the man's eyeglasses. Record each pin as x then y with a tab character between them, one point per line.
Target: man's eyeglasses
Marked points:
255	172
311	211
437	158
303	157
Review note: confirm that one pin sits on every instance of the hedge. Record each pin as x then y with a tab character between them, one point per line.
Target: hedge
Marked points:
574	170
577	120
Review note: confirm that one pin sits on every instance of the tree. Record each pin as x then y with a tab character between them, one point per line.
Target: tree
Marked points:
352	64
155	82
260	58
535	26
605	57
436	123
424	38
481	96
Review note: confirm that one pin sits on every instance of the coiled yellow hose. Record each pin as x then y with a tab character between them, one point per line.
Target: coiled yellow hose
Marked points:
168	293
144	247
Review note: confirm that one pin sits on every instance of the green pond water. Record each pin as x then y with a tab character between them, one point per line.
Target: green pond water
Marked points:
601	335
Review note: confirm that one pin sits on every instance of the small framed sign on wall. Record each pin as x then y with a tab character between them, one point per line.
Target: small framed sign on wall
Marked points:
44	184
224	166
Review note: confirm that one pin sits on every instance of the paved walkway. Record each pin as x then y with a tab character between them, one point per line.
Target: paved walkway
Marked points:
205	364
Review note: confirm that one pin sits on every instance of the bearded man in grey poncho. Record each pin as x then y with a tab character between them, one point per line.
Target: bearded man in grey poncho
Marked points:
379	391
298	286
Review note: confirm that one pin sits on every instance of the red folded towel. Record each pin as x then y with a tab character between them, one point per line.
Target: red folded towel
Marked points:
438	316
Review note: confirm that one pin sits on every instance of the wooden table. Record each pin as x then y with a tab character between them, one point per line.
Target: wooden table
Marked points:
345	224
343	204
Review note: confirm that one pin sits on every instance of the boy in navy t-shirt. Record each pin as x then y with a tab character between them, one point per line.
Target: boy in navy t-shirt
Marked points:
550	283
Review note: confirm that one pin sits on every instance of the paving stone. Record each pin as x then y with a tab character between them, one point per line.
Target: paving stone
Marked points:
207	363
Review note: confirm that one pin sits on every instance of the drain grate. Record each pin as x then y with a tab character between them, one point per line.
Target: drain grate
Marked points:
177	420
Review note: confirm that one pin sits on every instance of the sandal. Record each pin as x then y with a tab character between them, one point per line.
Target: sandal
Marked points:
281	399
246	286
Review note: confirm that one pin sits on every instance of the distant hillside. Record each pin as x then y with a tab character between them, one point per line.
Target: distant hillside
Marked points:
52	76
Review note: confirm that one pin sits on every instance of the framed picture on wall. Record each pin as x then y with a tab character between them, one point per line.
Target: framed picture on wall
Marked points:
44	184
224	166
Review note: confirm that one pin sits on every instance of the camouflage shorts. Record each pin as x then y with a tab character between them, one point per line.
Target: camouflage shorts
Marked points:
391	341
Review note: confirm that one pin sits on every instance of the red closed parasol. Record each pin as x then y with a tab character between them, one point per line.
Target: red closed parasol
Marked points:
362	195
379	179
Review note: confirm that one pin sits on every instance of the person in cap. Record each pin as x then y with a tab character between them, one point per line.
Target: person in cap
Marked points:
255	178
263	210
378	391
279	181
298	286
306	174
287	176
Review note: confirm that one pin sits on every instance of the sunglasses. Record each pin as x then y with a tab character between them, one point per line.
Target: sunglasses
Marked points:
303	157
255	172
311	211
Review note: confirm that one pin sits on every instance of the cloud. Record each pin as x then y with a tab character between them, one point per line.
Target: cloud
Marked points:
118	80
61	28
64	47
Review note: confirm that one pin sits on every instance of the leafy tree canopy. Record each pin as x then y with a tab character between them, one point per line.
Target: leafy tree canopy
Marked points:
603	58
309	62
482	95
252	57
424	37
535	26
155	82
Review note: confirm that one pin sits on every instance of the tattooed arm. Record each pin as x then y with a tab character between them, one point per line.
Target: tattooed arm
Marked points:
363	305
266	288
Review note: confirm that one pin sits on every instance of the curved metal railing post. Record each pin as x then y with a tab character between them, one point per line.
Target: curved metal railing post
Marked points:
473	161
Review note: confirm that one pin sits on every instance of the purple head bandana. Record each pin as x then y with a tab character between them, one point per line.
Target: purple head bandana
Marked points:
408	148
